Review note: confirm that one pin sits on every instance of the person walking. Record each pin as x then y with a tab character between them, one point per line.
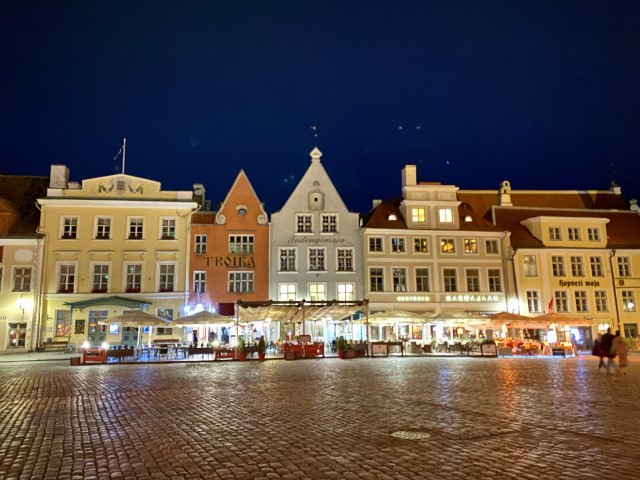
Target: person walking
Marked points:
605	345
599	352
619	348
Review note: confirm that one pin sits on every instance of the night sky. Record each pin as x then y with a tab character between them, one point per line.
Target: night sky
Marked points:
545	94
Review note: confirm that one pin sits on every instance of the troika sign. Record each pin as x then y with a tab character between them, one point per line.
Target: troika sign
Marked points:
234	261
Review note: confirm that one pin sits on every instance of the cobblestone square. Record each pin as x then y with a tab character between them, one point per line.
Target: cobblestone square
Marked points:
380	418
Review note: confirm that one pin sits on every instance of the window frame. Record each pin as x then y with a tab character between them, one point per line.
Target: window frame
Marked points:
59	274
199	281
100	286
304	220
240	243
23	276
200	244
449	282
170	230
376	242
281	257
379	279
106	228
317	255
349	259
421	279
159	274
291	293
418	215
126	274
69	231
133	227
249	280
472	280
331	226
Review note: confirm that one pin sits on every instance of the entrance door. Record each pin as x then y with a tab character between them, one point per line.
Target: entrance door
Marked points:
586	338
17	335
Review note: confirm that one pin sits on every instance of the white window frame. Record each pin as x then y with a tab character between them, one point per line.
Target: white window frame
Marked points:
602	302
624	266
445	215
102	231
23	276
200	244
581	300
597	266
287	292
555	234
304	220
573	234
420	279
561	299
377	241
421	245
199	281
329	223
159	273
628	300
74	284
168	231
69	227
470	246
281	251
381	277
593	234
448	241
446	285
418	215
138	227
530	272
317	291
241	243
398	245
93	266
557	266
577	265
398	286
533	301
125	277
494	280
346	264
315	256
472	279
492	246
345	291
243	278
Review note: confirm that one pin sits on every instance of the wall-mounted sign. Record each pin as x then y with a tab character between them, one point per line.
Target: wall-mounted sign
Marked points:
413	298
579	283
316	240
234	261
472	298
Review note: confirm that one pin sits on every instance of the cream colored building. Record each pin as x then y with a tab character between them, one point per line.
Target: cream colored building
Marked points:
113	243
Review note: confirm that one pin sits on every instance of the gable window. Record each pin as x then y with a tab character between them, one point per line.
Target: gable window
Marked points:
601	301
240	243
69	227
103	228
135	228
133	280
168	230
577	267
346	292
287	259
470	245
240	282
317	292
495	280
304	223
573	233
399	280
533	301
491	247
287	292
420	245
375	244
166	277
345	259
581	301
422	280
555	234
597	269
317	259
449	276
22	279
530	265
397	245
418	215
624	266
447	245
200	244
557	266
376	280
593	234
200	282
329	223
473	280
66	278
562	301
445	215
100	282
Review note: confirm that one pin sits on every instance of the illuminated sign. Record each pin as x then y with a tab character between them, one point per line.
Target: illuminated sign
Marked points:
413	298
579	283
472	298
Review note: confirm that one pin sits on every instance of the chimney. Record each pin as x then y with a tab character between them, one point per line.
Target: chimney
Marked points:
409	175
198	194
376	203
504	194
633	205
59	176
615	188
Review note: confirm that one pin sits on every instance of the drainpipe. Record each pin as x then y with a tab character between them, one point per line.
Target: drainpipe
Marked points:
612	254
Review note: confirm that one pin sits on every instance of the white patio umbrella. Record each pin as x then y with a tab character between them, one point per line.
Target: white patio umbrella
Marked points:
203	318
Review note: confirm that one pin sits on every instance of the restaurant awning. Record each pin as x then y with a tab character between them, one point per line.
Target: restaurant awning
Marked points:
296	311
112	300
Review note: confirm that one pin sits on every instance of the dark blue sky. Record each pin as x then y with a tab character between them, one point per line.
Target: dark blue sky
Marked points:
545	94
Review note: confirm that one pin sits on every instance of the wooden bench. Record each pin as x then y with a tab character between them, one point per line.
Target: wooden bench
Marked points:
55	346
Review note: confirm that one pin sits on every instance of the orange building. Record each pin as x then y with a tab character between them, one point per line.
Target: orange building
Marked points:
229	251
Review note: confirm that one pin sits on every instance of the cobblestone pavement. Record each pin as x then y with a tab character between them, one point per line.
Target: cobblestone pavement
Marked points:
380	418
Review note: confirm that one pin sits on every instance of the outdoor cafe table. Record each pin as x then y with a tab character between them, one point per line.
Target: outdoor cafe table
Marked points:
201	351
225	352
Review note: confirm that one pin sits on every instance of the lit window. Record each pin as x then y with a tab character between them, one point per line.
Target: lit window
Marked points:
628	301
470	245
397	245
317	292
418	215
447	245
530	265
420	245
445	215
287	292
346	292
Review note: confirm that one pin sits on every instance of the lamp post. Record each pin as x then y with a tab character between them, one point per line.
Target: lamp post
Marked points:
612	254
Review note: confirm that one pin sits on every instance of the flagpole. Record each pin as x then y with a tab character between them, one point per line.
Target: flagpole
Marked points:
124	153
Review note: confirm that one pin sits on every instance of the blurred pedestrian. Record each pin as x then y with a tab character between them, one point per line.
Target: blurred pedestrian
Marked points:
605	344
598	351
619	348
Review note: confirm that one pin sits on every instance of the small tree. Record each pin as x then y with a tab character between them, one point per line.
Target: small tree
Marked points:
262	344
342	344
241	345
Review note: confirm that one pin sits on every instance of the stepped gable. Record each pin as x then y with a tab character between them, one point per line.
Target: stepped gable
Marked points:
21	192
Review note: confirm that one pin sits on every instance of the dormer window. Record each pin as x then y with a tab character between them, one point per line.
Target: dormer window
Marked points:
445	215
392	217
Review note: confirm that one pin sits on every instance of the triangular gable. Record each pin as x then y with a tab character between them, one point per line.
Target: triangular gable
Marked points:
242	194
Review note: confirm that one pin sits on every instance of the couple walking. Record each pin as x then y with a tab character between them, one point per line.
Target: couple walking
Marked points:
610	346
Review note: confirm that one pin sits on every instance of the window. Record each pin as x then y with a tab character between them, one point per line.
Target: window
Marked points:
1	272
495	280
596	267
240	243
133	280
593	234
628	301
167	275
555	234
303	224
624	267
422	280
69	227
447	245
287	259
473	280
329	223
63	323
100	282
399	279
22	279
470	245
418	216
168	231
445	215
449	277
200	244
375	244
581	301
345	259
135	228
240	282
530	265
376	277
574	234
66	278
103	228
557	266
533	301
166	313
420	245
577	267
562	301
316	259
317	292
491	246
200	282
287	292
397	245
346	292
601	301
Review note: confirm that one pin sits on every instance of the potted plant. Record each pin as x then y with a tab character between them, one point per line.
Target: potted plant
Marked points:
262	346
242	350
342	347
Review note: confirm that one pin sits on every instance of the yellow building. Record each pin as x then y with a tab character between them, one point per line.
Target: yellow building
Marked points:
113	244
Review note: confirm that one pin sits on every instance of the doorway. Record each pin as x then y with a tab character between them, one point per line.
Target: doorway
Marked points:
17	335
